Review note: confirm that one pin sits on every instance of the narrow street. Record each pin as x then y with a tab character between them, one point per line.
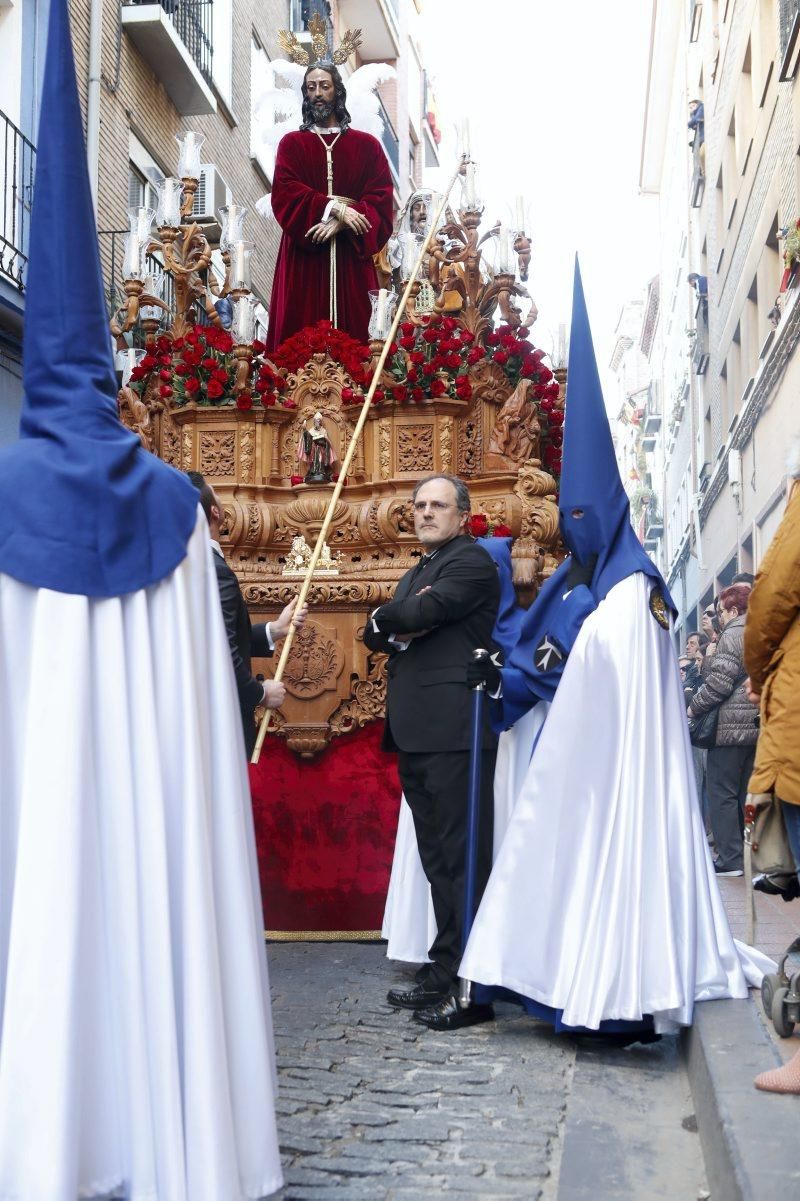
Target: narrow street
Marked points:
372	1106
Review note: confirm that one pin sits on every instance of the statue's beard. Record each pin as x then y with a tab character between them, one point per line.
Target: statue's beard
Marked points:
322	109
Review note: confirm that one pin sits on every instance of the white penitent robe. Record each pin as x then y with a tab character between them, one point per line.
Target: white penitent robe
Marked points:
409	923
603	901
136	1052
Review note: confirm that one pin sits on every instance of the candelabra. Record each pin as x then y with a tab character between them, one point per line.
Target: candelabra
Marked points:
185	253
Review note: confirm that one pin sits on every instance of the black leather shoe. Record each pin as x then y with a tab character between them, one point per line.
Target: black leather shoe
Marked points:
448	1015
418	997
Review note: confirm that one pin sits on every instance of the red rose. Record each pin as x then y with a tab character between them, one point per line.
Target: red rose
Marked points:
463	390
347	394
244	401
378	395
165	375
478	525
546	405
407	328
178	344
501	531
400	393
163	342
417	357
165	391
392	348
214	389
557	417
407	342
493	339
527	370
429	369
181	369
149	362
412	375
438	387
475	355
258	347
294	480
556	438
509	342
501	357
220	374
268	400
430	336
165	360
449	324
208	363
467	337
192	385
417	395
137	374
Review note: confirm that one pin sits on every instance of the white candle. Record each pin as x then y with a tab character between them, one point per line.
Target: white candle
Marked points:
469	189
132	262
238	263
380	312
465	137
520	215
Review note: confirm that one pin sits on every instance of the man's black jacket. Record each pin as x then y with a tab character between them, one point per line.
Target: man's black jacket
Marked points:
245	640
429	705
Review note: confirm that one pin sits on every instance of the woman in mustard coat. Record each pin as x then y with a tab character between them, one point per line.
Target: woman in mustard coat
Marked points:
772	657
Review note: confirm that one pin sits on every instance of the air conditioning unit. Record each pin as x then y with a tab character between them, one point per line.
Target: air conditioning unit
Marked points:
734	467
212	194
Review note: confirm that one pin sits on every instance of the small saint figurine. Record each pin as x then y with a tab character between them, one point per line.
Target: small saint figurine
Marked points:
316	450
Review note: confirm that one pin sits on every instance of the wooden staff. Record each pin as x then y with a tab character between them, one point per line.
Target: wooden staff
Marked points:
345	466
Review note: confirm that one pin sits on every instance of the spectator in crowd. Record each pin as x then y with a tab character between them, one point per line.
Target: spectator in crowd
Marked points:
696	645
697	121
772	657
730	761
711	628
744	577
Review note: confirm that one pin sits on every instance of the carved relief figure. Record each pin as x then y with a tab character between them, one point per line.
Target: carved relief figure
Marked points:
515	436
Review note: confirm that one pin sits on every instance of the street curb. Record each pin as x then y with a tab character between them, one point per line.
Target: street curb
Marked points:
749	1138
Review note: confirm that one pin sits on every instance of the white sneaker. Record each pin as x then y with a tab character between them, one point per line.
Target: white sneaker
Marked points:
736	871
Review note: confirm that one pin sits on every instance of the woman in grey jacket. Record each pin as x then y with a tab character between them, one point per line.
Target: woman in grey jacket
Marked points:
730	761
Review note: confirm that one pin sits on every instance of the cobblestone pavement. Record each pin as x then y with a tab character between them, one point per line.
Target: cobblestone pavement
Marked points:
372	1106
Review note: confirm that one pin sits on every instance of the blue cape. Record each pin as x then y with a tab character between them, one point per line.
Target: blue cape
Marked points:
594	517
83	507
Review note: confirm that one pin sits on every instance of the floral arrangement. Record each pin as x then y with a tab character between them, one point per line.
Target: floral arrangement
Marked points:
296	351
551	420
481	526
200	367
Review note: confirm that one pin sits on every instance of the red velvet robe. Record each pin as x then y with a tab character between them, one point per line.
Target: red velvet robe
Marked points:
301	287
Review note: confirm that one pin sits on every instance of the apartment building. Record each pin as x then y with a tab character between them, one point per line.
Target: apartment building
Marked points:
725	349
148	71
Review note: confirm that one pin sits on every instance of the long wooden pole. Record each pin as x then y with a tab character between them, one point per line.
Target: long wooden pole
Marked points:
348	458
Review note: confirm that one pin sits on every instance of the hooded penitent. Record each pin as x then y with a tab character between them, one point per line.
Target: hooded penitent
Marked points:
595	525
83	507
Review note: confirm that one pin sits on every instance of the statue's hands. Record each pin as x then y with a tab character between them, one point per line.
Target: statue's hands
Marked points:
323	231
356	222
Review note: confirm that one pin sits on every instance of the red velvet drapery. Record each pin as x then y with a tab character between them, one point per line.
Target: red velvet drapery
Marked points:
325	832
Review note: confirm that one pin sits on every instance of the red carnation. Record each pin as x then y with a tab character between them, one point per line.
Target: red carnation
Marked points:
165	374
347	394
493	339
214	389
149	362
557	417
181	369
165	391
429	369
208	363
400	393
244	401
378	395
294	480
475	355
501	531
454	360
546	404
467	337
501	357
417	357
478	525
438	387
430	336
407	328
417	395
220	374
407	343
527	370
192	385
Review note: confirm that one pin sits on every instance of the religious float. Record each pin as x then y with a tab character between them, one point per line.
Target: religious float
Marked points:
463	391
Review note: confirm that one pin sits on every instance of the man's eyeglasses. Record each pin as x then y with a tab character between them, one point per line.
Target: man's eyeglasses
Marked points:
710	612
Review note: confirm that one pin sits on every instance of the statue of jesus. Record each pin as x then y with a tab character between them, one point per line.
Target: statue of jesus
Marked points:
332	196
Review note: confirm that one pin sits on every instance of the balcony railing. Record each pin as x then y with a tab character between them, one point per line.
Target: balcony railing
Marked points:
700	352
698	171
18	165
112	244
192	21
789	34
390	142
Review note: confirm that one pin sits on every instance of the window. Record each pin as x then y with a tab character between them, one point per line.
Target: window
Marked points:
144	174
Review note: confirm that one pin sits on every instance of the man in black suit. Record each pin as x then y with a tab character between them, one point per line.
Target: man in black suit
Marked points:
443	609
245	639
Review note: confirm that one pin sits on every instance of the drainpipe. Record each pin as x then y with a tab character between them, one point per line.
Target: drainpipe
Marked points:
93	104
